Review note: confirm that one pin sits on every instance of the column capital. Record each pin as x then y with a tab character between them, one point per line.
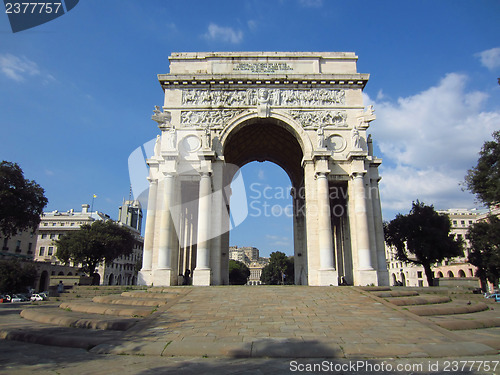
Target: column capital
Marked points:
205	174
321	175
358	174
152	180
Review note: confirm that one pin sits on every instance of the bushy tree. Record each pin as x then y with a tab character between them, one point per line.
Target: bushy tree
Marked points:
21	200
484	179
238	272
16	276
422	237
484	237
93	244
280	270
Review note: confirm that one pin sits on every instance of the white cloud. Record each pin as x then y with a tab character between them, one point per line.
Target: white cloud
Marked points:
428	142
311	3
224	34
17	68
490	58
278	240
252	25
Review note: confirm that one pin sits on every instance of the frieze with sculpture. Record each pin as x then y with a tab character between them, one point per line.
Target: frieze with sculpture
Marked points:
320	118
211	118
276	97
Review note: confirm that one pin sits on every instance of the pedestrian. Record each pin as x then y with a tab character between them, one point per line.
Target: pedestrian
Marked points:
60	287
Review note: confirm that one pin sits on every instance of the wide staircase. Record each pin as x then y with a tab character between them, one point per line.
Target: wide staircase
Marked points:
86	316
197	320
452	309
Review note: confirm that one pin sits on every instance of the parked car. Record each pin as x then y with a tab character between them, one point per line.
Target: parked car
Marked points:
495	296
36	297
3	299
15	298
44	295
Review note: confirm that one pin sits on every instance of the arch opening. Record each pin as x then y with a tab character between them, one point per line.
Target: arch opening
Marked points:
266	140
272	140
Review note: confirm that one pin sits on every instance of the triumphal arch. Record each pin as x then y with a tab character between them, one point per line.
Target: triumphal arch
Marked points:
302	111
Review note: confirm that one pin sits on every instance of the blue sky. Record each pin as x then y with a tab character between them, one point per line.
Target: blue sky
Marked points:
77	93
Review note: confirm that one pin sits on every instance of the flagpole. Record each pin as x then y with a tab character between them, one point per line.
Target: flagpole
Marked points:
92	206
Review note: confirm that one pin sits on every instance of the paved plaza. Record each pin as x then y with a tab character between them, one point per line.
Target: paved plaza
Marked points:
257	330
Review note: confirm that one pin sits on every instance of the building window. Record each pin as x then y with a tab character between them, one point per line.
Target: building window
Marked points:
72	224
470	222
419	274
462	222
51	250
42	251
30	245
53	224
454	222
52	236
43	236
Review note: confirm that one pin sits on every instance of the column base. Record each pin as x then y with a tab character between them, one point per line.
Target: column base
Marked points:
145	277
328	277
162	277
383	278
366	277
201	277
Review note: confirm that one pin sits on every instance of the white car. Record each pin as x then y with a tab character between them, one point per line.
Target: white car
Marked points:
36	297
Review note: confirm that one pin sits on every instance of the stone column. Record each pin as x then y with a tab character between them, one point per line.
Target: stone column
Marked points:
163	272
327	273
147	258
362	234
383	274
201	274
324	224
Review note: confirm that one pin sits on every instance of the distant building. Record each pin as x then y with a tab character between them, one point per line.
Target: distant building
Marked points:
55	224
20	246
401	273
250	257
123	270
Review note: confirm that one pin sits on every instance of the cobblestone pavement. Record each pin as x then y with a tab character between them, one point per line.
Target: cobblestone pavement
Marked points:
260	330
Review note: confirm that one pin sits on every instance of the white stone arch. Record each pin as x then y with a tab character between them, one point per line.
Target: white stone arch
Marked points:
294	128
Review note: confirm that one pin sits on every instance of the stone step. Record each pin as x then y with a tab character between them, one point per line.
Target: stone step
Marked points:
418	300
375	288
48	334
59	317
473	321
452	308
130	301
169	289
394	293
150	295
107	309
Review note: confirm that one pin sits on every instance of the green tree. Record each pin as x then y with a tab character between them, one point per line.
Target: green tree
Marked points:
16	276
21	200
238	272
280	270
484	237
93	244
484	179
422	237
